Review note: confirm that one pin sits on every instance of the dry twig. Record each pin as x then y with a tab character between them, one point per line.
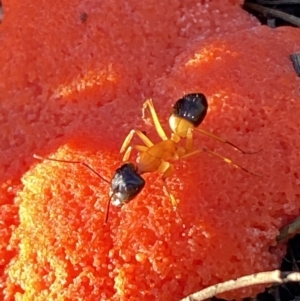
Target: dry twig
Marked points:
278	2
289	230
275	276
273	12
296	62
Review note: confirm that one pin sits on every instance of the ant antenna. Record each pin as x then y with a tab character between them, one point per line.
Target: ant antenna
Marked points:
107	210
72	162
87	166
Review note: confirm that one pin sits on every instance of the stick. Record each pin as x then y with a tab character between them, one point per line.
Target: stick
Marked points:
273	12
275	276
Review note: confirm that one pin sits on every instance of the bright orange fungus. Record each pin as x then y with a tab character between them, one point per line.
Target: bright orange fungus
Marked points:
74	75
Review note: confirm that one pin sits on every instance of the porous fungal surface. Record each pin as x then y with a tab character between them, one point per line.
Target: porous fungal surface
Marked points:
72	88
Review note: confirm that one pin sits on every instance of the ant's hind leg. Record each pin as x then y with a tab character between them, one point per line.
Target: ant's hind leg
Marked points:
220	139
167	170
159	129
129	137
227	160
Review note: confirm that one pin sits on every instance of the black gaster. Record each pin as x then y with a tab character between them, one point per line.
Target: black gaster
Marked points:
191	107
126	184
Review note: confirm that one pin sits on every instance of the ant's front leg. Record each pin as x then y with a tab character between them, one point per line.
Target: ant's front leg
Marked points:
126	143
139	148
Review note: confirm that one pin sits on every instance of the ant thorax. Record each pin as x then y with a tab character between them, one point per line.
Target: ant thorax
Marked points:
154	158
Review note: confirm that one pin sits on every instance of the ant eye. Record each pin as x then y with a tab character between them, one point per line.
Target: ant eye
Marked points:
191	107
126	184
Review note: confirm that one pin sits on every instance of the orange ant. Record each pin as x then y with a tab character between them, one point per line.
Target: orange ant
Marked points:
188	113
127	183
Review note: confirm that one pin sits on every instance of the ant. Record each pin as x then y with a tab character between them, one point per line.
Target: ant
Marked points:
126	183
188	113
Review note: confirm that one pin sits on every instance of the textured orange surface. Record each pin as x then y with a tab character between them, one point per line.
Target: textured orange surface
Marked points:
73	89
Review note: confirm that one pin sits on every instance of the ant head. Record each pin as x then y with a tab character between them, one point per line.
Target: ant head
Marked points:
126	184
189	111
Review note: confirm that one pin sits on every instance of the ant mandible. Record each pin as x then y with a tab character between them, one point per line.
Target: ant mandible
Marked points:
188	113
127	183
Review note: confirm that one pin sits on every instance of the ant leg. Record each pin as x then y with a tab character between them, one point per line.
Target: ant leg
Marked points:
167	170
220	139
129	137
140	148
159	129
227	160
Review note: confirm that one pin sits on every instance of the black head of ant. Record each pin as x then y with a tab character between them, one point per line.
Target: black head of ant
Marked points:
125	184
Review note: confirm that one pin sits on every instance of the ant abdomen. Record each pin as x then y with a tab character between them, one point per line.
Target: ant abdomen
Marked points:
189	111
192	107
